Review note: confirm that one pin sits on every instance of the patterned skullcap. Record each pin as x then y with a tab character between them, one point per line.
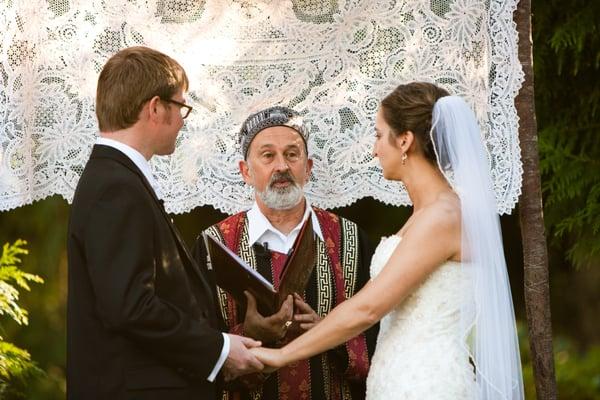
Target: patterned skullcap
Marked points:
272	116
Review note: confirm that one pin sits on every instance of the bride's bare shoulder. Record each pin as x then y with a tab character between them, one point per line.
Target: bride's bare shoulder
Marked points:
445	211
448	201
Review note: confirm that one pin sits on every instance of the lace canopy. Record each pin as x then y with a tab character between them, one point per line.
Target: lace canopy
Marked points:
333	61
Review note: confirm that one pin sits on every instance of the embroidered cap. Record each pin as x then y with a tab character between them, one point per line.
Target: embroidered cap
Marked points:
272	116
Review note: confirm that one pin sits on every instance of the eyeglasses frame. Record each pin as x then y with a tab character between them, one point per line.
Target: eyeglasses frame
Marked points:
180	104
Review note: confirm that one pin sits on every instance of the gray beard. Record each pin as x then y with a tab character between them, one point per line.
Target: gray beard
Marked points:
283	198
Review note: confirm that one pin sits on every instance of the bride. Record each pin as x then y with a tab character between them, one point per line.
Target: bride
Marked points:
439	285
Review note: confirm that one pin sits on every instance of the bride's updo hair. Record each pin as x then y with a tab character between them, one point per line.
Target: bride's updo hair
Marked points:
409	108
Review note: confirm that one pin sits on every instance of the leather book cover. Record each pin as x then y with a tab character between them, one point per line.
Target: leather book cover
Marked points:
234	275
299	264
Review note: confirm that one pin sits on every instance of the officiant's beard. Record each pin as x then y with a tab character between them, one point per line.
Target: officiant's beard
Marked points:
283	198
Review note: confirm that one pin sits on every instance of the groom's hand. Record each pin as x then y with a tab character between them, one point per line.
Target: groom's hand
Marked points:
268	329
241	360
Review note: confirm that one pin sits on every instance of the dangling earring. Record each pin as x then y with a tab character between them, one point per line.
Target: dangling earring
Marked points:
404	158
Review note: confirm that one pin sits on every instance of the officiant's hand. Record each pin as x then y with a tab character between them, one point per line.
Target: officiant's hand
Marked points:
267	329
305	316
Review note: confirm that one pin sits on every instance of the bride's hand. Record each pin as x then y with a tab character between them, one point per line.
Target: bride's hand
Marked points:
271	358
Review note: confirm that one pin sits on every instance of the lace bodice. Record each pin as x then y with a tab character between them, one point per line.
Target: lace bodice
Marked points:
420	352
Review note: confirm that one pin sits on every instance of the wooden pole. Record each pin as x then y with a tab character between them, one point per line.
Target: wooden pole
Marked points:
535	253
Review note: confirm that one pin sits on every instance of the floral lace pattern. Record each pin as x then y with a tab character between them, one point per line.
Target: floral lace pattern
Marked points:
331	60
419	352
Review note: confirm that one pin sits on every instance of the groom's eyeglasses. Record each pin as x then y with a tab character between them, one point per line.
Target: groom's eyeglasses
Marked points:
184	109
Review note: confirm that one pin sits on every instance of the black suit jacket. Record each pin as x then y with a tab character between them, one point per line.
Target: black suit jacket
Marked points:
141	321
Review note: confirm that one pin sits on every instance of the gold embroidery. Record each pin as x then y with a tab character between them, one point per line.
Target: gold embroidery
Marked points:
349	242
346	393
221	295
256	394
245	251
324	290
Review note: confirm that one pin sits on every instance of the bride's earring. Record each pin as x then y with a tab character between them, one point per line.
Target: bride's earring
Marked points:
404	158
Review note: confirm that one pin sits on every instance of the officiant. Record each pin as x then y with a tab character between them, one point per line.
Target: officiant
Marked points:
274	145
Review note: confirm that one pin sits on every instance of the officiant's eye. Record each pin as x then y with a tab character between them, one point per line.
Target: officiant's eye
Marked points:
292	155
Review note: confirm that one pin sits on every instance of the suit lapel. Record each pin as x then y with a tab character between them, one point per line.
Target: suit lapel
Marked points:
101	151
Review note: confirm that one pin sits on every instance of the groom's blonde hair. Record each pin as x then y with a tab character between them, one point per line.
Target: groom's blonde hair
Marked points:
129	79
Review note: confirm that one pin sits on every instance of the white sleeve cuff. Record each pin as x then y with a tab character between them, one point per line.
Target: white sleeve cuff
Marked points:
222	358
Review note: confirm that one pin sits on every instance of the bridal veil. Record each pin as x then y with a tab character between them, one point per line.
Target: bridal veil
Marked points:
487	318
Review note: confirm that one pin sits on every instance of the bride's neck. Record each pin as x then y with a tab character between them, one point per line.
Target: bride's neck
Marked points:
424	182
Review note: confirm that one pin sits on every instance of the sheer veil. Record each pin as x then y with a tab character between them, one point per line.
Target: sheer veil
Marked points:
487	318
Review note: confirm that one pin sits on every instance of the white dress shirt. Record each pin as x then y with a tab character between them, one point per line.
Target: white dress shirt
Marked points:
140	161
261	231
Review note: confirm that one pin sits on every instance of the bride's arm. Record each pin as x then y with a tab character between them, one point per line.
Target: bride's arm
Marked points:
432	239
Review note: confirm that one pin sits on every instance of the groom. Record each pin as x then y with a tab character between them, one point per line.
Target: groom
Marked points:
141	320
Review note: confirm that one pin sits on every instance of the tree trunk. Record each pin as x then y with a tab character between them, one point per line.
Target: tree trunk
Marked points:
535	254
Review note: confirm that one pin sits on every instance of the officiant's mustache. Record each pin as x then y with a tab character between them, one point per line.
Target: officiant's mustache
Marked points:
281	198
281	177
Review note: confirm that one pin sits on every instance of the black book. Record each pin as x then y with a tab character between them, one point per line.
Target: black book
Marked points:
235	276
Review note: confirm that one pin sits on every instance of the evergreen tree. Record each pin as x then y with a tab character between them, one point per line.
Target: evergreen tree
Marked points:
566	39
15	363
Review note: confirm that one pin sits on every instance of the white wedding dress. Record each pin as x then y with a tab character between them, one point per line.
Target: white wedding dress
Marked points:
420	353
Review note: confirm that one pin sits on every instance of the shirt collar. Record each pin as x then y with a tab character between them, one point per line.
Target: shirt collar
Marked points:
135	156
258	224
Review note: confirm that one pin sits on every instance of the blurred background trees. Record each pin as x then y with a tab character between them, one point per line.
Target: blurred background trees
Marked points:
566	62
567	65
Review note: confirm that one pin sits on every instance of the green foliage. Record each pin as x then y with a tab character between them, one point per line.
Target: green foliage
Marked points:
9	294
567	64
576	33
15	363
577	373
572	193
15	368
44	224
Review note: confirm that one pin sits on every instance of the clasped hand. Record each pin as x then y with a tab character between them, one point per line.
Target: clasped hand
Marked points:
240	360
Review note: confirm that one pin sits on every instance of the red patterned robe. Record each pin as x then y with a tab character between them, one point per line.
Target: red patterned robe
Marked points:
341	269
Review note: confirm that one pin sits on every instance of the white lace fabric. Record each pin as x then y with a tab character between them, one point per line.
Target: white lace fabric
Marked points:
420	352
332	61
